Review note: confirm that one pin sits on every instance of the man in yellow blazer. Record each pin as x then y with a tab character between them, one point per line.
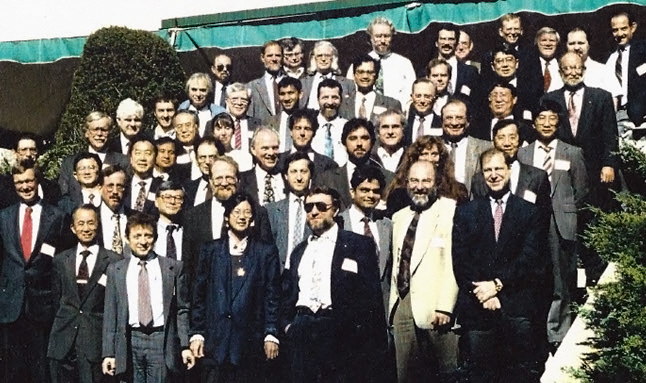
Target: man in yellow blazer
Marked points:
423	289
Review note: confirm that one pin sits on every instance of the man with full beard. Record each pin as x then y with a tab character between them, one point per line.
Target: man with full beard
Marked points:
423	290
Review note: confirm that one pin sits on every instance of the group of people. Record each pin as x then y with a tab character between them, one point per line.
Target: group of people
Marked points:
310	227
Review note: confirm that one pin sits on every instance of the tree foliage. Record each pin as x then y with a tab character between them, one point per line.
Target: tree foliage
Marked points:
116	63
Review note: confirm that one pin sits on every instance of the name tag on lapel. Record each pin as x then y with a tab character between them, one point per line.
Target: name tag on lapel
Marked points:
103	280
465	90
529	196
48	249
349	265
435	132
562	165
183	159
377	110
151	196
641	69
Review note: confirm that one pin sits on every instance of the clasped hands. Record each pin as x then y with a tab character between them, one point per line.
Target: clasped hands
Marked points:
486	293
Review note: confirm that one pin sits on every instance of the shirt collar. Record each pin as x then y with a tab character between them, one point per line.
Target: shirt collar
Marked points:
329	235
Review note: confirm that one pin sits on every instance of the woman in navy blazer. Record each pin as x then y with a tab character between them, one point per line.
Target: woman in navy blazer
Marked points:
235	300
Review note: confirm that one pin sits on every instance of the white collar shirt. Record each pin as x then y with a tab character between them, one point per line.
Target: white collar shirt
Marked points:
156	291
315	271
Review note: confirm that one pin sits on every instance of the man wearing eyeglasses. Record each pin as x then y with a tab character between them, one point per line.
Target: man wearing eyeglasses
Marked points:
169	200
221	70
97	128
293	49
112	222
330	296
86	171
237	103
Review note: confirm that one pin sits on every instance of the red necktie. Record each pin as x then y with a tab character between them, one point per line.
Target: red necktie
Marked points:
237	134
25	236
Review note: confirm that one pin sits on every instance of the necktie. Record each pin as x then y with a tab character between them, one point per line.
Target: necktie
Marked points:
141	196
366	228
84	273
362	108
571	108
329	147
144	308
547	77
454	149
548	163
209	193
379	83
276	99
618	67
269	190
117	242
25	236
420	127
298	225
171	248
403	276
91	199
497	218
237	134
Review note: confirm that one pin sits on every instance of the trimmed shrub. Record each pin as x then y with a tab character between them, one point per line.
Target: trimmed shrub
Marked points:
117	63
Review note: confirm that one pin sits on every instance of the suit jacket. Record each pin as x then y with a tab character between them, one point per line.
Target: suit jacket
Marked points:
235	314
198	229
516	259
321	162
26	286
51	191
410	121
432	284
597	129
261	106
79	318
66	180
338	179
249	183
253	123
569	185
347	85
278	214
176	313
467	80
356	300
481	127
149	204
475	147
385	231
636	82
381	104
114	144
73	199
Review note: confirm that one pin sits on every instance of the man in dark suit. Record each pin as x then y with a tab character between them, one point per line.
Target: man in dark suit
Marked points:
324	64
145	339
499	266
169	202
421	119
31	232
164	108
363	100
568	176
264	90
263	182
287	217
129	119
87	167
464	77
78	290
289	94
186	125
630	69
205	222
221	69
97	128
303	125
358	138
198	190
330	297
140	193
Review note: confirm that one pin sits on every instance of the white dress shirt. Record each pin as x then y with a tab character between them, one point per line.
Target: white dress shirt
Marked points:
556	81
90	260
370	103
200	195
315	271
204	115
494	205
313	100
318	141
96	200
217	218
276	182
125	143
245	134
598	75
429	130
612	61
292	224
156	291
162	235
515	174
398	75
269	80
390	161
460	159
107	226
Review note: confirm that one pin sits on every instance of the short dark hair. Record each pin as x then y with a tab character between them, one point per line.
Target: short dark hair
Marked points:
143	220
24	165
449	27
505	85
297	156
501	124
356	123
367	173
288	81
209	140
323	189
550	106
269	44
487	154
308	114
365	58
87	156
89	207
28	136
140	137
110	170
191	113
164	96
167	140
455	100
290	43
169	185
235	200
503	48
329	83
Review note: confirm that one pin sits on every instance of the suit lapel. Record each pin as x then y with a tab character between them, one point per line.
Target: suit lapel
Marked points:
508	224
100	265
249	259
427	224
560	154
168	283
70	270
264	92
46	219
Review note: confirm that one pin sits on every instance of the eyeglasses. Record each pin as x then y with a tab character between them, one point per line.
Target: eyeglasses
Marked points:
239	100
243	213
508	60
221	67
172	198
90	167
320	206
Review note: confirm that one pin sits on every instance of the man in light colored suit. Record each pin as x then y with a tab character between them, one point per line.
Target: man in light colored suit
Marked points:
464	150
423	291
568	177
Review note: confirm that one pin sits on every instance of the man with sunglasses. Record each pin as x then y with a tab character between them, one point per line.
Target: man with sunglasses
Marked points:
221	70
331	293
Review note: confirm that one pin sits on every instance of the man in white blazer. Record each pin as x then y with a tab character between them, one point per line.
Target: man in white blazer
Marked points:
423	289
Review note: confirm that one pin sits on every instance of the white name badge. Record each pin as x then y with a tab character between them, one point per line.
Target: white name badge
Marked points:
349	265
562	165
48	249
103	280
641	69
529	196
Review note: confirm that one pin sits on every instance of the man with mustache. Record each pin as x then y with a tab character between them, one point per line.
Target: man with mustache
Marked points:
627	62
112	222
97	127
221	70
463	77
263	182
499	266
198	88
423	291
327	139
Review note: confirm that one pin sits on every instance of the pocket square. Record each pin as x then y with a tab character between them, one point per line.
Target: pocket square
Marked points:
349	265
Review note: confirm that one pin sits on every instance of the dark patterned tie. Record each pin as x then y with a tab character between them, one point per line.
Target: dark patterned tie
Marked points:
171	248
618	67
329	146
366	228
403	276
117	242
362	108
298	225
547	77
141	196
420	127
574	120
269	190
84	273
144	308
548	163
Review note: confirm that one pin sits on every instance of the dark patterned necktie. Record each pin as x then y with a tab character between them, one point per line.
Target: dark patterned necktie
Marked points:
141	196
84	273
269	190
117	242
403	276
171	248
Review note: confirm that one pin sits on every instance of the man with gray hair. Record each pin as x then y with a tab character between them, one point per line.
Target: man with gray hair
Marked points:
547	41
198	88
129	118
263	182
324	63
237	103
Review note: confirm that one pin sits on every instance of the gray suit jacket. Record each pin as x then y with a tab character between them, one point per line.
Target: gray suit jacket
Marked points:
176	313
261	106
569	184
475	147
279	221
381	104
